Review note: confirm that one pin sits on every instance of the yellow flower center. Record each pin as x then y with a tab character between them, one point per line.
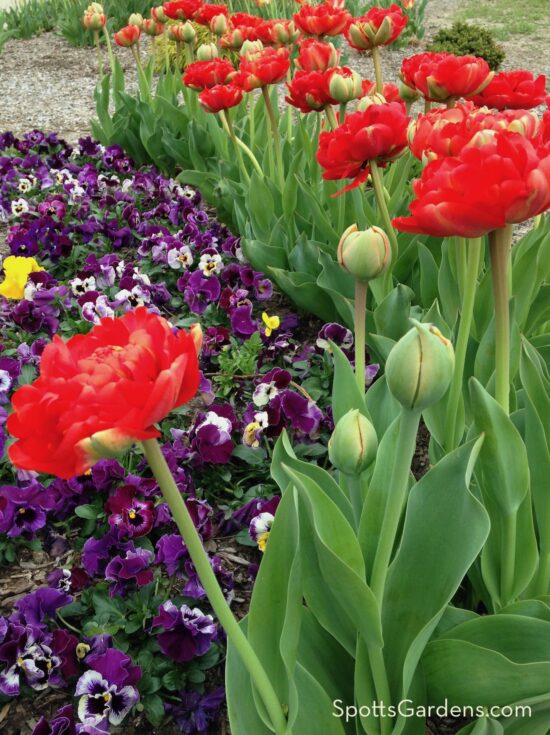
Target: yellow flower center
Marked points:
81	650
262	541
132	515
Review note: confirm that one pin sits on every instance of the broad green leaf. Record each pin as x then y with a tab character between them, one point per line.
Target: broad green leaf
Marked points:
334	571
422	581
283	454
383	408
304	292
345	392
392	316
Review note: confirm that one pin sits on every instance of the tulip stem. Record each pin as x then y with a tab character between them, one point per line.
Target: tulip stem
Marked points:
459	244
466	315
99	58
361	288
499	245
380	195
427	106
543	574
331	117
342	112
230	130
397	496
228	127
508	558
200	559
275	137
377	69
109	49
381	684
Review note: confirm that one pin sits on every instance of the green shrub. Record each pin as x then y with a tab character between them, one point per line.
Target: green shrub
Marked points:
464	38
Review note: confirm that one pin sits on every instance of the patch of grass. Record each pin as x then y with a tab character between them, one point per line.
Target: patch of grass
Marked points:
506	17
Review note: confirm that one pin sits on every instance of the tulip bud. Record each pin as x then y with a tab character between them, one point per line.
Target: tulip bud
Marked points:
371	99
364	254
93	21
219	25
408	94
420	367
151	27
188	32
158	14
207	52
106	444
251	47
136	19
285	32
353	444
344	88
175	32
95	8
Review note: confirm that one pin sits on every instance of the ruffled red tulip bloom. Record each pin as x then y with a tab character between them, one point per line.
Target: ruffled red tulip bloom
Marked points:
444	132
377	134
513	90
127	36
220	97
484	188
101	392
208	11
206	74
322	20
315	55
440	77
245	20
378	27
182	9
237	36
268	66
309	91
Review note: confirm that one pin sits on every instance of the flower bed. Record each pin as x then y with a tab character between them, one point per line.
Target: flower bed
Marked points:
90	236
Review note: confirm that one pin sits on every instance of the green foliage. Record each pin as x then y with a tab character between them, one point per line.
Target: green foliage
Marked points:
466	38
28	19
238	360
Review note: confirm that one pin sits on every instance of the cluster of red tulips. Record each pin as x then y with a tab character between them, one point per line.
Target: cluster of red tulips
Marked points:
487	159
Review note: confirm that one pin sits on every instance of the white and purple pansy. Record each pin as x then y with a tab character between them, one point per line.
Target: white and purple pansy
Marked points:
101	700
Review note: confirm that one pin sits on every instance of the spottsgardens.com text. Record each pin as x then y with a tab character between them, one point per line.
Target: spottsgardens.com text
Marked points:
407	708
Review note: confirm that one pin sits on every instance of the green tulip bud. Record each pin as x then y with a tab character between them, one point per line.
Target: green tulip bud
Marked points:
251	47
345	88
408	94
364	254
136	19
219	25
420	367
353	444
375	98
188	33
207	52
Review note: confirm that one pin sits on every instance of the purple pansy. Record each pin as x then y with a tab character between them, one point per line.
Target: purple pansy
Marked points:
132	569
197	712
187	631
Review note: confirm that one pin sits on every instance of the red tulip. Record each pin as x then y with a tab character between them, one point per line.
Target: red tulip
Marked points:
515	90
100	392
445	132
309	91
220	97
182	9
245	20
206	74
94	21
377	134
268	66
483	188
440	76
379	27
127	36
315	55
322	20
209	11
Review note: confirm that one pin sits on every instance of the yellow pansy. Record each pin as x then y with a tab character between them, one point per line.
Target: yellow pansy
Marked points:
17	270
271	323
